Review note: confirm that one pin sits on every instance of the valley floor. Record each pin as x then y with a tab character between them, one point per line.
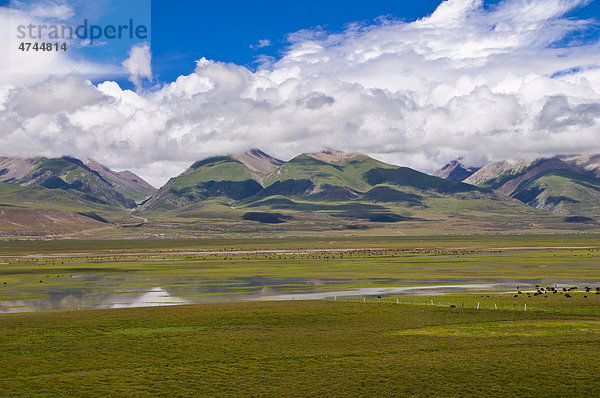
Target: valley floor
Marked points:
455	343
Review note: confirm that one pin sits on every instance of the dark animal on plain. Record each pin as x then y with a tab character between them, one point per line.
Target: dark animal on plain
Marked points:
516	295
584	296
567	295
452	306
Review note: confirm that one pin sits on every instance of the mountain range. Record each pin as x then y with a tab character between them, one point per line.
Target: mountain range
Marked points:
324	176
86	178
41	196
254	192
561	184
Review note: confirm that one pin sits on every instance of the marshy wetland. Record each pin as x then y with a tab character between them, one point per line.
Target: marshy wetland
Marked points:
135	277
440	316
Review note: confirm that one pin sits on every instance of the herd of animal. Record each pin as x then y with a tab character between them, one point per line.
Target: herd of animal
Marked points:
554	290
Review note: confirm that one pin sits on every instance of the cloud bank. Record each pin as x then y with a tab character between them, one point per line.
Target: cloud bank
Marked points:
472	80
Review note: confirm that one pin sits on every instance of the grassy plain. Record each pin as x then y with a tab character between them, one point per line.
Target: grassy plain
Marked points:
319	348
335	264
150	246
401	346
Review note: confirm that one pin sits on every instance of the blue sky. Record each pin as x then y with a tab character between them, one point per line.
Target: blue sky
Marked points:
224	30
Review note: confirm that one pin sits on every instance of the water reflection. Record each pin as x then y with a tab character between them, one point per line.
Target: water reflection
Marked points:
79	299
386	291
108	291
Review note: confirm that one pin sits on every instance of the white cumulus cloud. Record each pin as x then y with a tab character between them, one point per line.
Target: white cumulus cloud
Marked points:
261	44
484	82
139	64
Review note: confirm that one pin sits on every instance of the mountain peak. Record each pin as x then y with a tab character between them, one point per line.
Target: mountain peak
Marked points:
589	163
125	182
258	162
456	171
329	155
496	169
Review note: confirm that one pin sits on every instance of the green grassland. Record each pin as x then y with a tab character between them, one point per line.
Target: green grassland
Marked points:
161	246
580	302
456	344
343	264
297	348
464	213
8	188
332	270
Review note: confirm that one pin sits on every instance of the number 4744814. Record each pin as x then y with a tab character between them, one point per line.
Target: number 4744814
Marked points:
43	46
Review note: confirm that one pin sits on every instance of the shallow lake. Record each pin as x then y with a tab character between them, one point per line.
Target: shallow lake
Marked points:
108	291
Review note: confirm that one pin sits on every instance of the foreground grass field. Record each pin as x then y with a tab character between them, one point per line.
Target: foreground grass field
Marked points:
321	348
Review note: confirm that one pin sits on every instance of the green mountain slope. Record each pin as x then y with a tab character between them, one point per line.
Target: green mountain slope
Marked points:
324	176
328	190
126	183
49	197
72	175
406	177
562	191
335	175
38	211
345	170
222	176
40	197
236	178
565	185
6	189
